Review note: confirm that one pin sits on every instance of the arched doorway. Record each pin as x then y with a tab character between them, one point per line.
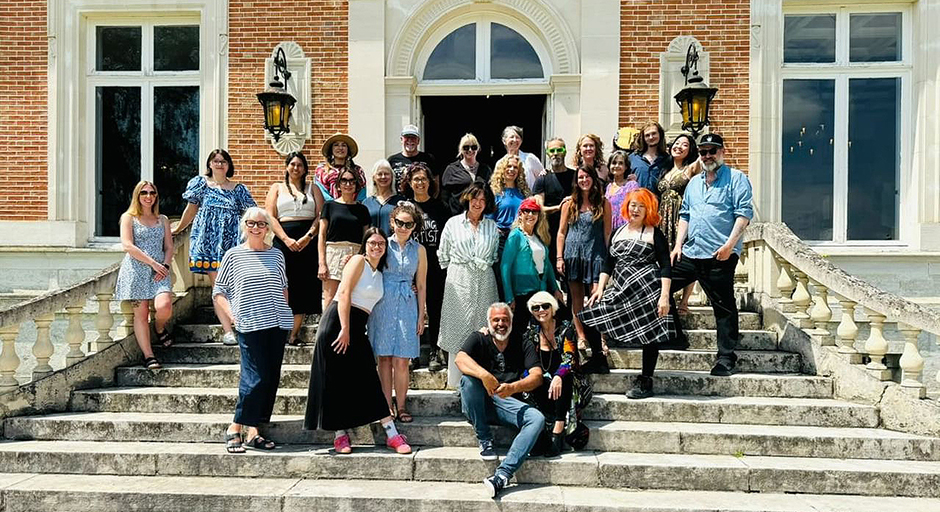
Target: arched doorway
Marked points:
457	67
455	87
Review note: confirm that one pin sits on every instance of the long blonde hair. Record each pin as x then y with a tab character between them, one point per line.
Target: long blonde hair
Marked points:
498	182
136	209
541	227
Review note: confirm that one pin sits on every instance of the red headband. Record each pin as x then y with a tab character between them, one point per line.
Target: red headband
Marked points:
530	204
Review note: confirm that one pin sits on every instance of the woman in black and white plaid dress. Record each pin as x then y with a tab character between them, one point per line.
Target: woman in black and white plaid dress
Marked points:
636	307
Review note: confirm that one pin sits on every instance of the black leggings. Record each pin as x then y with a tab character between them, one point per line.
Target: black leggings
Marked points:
650	355
554	410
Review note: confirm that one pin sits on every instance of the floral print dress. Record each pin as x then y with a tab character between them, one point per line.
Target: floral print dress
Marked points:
215	228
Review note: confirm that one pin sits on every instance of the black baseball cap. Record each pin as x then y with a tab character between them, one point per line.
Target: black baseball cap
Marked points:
711	139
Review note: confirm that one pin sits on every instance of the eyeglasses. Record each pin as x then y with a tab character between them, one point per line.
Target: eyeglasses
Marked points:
347	181
256	223
220	162
148	192
540	307
376	243
532	212
713	151
404	224
556	151
471	147
419	180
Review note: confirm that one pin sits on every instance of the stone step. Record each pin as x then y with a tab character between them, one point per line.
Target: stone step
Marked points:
701	360
454	431
618	381
108	493
463	465
692	409
699	339
699	317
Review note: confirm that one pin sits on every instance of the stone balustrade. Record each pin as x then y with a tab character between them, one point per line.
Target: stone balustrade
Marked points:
41	311
801	281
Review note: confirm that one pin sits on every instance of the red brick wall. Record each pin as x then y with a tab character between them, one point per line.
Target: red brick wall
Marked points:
320	27
23	111
723	29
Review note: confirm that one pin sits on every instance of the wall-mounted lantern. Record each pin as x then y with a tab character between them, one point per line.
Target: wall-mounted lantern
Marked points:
695	99
275	100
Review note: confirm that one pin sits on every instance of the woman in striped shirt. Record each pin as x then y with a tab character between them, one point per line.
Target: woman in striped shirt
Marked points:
251	288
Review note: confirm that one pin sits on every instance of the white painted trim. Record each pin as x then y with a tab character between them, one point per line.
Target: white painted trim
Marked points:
841	71
67	21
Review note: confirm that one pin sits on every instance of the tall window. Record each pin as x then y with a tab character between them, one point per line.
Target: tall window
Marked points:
483	51
845	75
144	95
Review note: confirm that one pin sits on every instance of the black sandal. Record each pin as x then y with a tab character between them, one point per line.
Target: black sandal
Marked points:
151	363
233	446
165	339
260	443
297	342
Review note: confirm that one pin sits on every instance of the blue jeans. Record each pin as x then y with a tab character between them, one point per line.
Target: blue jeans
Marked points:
480	409
261	355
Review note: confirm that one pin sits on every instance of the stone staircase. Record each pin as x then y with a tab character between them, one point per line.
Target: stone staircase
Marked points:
740	443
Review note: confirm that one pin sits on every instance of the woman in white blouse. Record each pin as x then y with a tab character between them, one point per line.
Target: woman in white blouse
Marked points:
468	249
512	141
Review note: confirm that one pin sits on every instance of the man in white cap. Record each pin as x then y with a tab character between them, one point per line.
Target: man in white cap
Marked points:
410	138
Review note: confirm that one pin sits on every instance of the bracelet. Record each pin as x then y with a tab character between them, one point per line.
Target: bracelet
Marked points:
166	265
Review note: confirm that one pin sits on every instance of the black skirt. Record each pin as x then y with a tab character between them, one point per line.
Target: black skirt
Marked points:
304	289
345	391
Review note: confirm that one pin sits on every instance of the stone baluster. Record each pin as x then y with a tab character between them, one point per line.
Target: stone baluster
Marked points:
75	333
820	314
9	360
43	347
785	285
876	346
802	300
127	311
912	363
740	271
103	321
847	331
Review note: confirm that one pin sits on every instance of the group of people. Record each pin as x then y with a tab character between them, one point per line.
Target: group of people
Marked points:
510	274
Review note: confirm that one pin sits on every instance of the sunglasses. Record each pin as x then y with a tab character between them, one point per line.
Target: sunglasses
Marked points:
713	151
556	151
540	307
256	223
148	193
533	212
471	147
404	224
347	181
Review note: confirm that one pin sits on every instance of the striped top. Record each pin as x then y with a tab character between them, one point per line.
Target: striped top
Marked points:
462	244
254	283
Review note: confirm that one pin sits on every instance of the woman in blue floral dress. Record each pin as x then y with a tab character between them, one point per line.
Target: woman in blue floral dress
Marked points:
397	320
215	205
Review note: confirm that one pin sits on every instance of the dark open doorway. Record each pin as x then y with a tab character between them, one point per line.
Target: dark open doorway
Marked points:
447	118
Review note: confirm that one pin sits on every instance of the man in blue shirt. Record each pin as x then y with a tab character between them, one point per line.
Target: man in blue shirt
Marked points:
715	210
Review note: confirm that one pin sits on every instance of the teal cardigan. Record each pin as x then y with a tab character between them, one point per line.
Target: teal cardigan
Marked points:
518	270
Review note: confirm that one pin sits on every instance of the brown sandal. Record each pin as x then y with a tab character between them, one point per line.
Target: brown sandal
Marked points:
404	416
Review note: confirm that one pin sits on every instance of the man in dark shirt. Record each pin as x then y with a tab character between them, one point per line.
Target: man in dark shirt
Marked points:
494	370
554	187
410	138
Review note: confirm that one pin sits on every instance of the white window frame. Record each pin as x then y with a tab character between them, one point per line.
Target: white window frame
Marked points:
482	83
70	204
147	79
841	71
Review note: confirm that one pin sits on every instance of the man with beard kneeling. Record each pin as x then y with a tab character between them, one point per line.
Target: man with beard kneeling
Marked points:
494	371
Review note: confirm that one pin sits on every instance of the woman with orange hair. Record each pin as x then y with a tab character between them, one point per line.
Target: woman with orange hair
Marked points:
636	308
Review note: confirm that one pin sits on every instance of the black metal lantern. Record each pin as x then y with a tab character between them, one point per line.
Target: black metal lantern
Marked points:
695	98
277	104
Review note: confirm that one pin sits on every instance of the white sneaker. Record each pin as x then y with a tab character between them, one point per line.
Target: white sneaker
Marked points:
229	339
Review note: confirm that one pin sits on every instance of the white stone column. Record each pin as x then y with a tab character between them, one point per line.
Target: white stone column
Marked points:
600	67
925	185
764	112
399	109
566	109
367	80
